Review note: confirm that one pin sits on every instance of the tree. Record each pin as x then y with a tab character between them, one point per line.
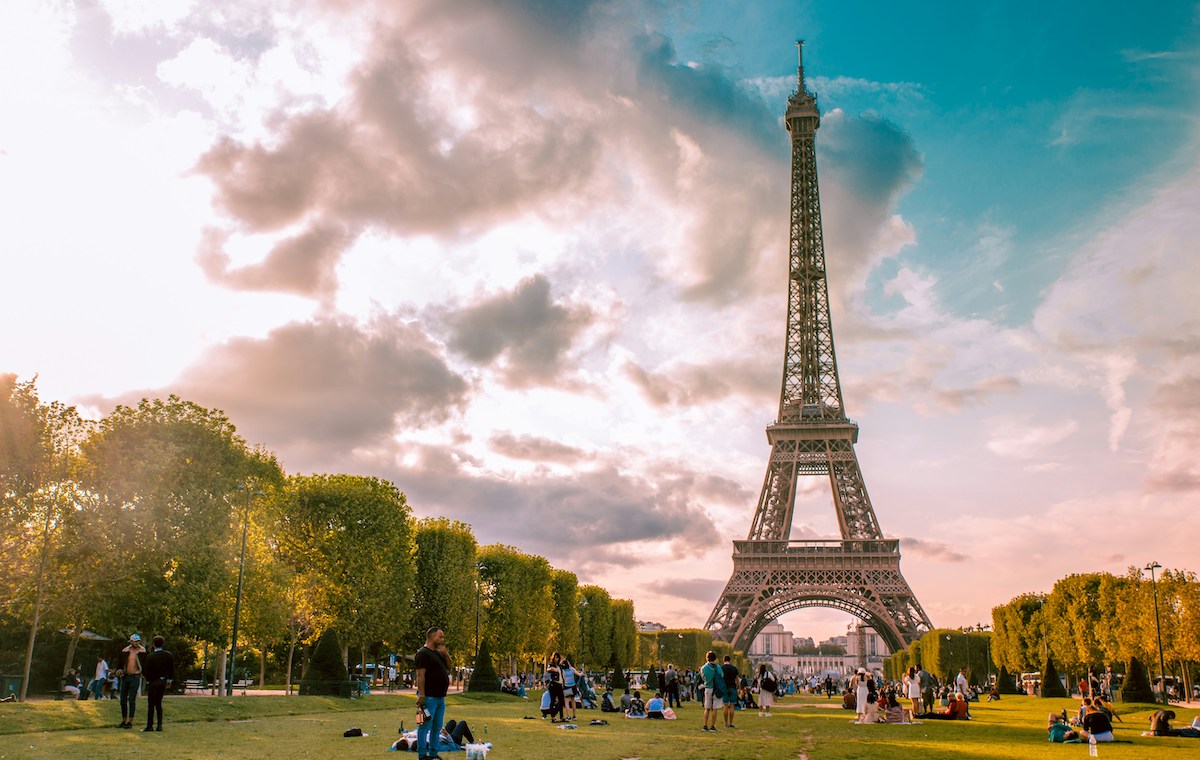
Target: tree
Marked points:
327	672
624	630
564	627
518	601
165	474
1136	687
350	539
38	492
1019	636
445	581
1074	618
1051	685
596	625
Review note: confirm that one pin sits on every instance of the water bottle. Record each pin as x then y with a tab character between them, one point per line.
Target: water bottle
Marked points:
1092	746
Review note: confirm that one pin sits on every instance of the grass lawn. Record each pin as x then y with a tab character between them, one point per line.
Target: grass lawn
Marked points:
261	727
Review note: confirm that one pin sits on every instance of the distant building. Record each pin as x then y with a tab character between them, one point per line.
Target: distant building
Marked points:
645	626
865	648
776	646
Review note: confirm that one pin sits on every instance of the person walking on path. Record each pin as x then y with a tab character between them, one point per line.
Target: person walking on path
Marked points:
133	658
433	681
159	673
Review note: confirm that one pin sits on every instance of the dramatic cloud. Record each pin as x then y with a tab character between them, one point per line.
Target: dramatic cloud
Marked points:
933	550
523	332
535	449
693	589
686	385
557	515
325	384
304	264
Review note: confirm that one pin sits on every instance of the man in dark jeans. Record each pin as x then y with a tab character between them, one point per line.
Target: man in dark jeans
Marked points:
132	661
159	673
433	681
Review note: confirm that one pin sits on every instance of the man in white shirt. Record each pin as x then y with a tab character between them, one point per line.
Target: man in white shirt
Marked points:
960	683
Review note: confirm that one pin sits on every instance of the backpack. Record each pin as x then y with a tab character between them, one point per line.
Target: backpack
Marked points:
718	679
768	683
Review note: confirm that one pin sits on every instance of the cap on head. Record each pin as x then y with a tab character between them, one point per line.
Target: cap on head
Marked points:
136	637
863	671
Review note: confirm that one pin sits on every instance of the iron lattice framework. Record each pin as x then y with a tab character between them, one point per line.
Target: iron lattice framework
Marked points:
859	574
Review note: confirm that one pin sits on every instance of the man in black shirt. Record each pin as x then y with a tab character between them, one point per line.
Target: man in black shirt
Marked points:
159	673
730	671
433	680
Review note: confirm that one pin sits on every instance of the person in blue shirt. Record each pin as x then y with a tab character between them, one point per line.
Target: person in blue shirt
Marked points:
654	708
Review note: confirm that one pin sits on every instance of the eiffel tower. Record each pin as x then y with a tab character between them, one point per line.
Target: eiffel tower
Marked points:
773	575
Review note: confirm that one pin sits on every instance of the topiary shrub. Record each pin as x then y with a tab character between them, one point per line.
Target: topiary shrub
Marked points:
1051	686
327	673
618	680
483	678
1005	683
1136	687
652	680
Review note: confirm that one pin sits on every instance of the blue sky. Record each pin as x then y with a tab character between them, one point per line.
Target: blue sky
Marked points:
526	260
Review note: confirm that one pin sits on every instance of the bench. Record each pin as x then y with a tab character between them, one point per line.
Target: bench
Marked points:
243	684
194	684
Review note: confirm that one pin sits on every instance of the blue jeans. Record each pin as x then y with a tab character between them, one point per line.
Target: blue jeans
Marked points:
96	687
129	693
429	731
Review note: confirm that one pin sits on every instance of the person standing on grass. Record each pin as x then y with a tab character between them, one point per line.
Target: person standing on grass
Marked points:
960	683
159	673
133	658
710	674
97	684
730	696
433	681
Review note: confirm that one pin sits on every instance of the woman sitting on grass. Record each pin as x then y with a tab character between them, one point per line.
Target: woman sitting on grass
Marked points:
1096	726
955	710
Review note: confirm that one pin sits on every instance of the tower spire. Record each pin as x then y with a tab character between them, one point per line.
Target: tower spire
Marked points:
800	70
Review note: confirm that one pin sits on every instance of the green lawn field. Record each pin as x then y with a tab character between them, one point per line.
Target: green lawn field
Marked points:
261	727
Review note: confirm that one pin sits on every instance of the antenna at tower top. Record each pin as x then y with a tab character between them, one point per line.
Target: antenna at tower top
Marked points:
800	59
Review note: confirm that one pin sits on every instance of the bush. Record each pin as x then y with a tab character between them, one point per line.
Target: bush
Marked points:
652	680
1051	686
618	680
1136	687
484	678
327	673
1005	683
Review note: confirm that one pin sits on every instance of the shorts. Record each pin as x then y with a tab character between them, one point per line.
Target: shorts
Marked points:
568	692
711	700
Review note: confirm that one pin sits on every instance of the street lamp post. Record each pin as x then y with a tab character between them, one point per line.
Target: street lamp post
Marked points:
583	604
237	606
1162	668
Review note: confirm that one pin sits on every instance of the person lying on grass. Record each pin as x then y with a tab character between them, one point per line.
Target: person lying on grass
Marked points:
1059	731
1160	725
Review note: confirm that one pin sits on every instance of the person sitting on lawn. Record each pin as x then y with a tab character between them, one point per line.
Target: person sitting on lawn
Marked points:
606	702
654	708
1059	731
893	711
637	708
1096	726
955	710
1106	708
871	714
994	694
848	699
626	701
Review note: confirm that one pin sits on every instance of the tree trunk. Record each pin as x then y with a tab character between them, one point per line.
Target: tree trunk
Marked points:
75	634
262	665
37	602
291	656
222	663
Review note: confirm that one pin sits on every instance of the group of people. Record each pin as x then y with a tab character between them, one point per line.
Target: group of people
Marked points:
137	666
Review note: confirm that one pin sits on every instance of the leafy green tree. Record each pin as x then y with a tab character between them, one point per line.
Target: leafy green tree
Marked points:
1074	619
1019	637
564	629
518	601
350	539
596	625
445	592
39	446
624	630
165	473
